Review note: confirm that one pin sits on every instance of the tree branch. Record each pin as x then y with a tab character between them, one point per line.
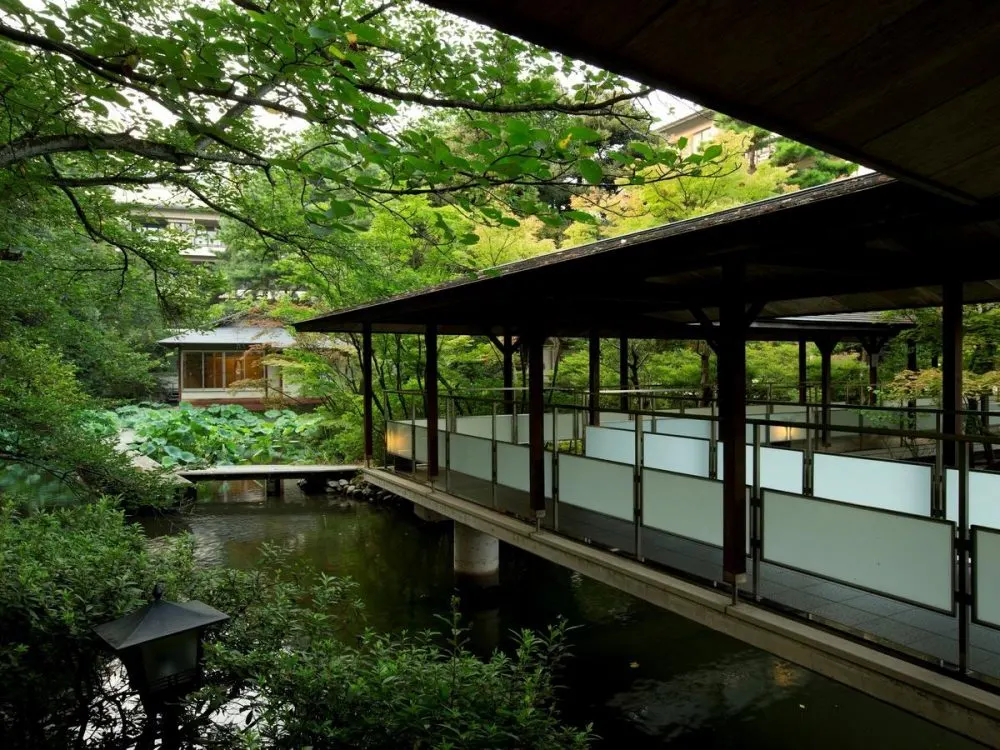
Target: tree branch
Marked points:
28	148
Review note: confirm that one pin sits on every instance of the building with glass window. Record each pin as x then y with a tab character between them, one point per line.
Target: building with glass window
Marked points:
227	365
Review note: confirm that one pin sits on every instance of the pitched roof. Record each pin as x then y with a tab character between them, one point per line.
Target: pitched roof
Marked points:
279	338
864	244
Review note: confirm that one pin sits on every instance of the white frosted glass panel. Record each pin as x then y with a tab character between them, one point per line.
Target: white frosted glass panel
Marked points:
984	498
987	593
697	428
512	466
398	439
683	505
596	485
669	453
421	436
480	426
610	444
522	428
904	556
471	455
565	425
888	485
780	468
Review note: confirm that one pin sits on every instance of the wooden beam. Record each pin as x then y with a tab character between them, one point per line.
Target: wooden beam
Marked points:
536	430
366	374
732	425
825	346
431	387
803	372
951	367
594	379
508	374
623	373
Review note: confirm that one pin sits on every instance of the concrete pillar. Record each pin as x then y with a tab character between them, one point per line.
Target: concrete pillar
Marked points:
476	556
428	515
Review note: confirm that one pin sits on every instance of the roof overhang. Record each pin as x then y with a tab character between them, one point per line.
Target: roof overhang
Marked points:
903	86
866	244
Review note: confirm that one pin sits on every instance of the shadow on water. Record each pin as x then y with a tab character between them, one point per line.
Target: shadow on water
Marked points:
644	677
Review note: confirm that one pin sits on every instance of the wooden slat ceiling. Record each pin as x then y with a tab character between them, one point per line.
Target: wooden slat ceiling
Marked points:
909	87
871	243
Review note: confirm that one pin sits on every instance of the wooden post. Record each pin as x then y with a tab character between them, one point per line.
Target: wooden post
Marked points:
594	379
731	365
366	374
951	377
180	376
508	374
825	347
911	365
536	425
431	386
623	373
803	372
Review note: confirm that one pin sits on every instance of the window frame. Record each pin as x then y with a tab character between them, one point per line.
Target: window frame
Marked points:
226	354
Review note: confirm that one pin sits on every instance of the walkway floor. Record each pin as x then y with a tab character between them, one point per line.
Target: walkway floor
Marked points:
900	626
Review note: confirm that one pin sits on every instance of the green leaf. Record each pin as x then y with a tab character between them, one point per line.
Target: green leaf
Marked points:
469	239
590	170
583	133
641	149
714	151
581	216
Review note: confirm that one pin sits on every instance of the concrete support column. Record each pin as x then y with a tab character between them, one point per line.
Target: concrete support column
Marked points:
431	389
476	556
594	378
623	373
732	423
366	374
803	372
951	365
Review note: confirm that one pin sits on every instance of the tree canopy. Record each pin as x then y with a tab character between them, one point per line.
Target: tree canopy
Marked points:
198	96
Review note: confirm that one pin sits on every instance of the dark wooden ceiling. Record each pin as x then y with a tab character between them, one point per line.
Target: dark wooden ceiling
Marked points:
871	243
909	87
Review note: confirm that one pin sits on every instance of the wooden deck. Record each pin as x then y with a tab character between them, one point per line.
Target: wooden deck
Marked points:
271	471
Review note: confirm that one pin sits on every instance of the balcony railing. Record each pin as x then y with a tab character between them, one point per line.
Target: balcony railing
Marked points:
893	549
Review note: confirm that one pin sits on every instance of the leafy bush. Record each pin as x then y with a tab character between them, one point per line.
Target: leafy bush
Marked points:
277	671
46	431
222	434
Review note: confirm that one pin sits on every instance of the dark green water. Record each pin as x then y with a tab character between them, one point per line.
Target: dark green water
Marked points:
644	677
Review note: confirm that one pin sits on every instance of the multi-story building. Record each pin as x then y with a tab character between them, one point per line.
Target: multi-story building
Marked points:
202	223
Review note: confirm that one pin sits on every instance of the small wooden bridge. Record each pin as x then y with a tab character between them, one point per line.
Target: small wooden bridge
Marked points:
314	474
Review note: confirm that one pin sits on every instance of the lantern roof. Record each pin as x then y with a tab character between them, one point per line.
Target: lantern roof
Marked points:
158	619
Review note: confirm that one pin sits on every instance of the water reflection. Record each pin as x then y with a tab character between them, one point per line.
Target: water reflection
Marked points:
646	679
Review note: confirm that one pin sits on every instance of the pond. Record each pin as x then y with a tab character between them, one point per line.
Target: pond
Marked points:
644	677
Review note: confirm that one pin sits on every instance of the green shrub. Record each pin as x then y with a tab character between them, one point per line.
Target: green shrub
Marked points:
287	664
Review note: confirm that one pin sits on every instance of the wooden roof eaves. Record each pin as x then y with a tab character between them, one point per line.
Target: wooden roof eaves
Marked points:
416	299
